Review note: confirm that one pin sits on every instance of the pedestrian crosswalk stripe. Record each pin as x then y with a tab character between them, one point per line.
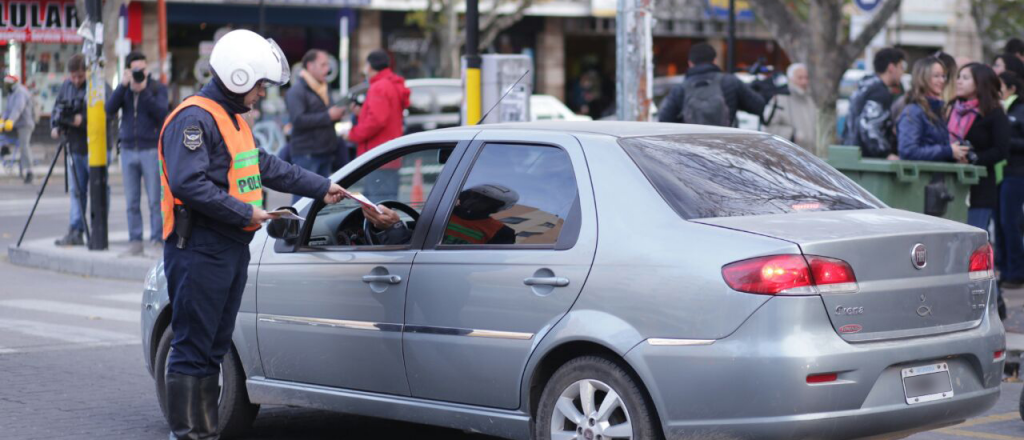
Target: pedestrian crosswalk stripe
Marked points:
131	298
66	308
66	333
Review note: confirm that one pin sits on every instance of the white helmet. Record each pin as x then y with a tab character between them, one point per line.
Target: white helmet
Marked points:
508	197
242	58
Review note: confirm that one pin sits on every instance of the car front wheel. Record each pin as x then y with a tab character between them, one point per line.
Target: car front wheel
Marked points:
235	412
593	398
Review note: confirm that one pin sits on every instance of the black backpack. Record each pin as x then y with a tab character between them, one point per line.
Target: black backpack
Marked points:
704	103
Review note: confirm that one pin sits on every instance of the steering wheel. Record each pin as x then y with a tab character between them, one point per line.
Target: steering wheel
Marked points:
395	205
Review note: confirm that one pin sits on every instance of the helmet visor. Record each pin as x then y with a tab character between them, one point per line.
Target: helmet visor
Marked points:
286	72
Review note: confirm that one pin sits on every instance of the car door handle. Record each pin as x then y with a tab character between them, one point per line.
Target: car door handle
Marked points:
390	279
546	281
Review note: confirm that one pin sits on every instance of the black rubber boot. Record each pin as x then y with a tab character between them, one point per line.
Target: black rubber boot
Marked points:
182	403
206	411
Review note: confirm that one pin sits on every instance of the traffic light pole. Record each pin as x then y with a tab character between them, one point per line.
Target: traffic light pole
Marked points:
96	127
472	82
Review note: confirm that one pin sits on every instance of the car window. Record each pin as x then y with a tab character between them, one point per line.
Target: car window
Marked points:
409	179
420	100
513	195
740	174
449	99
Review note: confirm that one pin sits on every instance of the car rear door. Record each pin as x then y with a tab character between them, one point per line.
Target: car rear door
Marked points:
492	278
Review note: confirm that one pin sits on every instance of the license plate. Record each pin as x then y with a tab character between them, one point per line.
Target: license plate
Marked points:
927	383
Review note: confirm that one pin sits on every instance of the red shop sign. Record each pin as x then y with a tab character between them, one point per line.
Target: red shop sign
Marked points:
40	21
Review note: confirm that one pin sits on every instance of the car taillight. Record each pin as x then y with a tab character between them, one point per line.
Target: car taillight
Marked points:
981	264
831	275
790	275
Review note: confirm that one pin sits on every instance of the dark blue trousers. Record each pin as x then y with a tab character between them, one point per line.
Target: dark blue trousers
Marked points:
1011	204
205	283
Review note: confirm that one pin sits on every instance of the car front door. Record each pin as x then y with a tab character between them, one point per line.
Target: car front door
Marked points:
507	254
331	310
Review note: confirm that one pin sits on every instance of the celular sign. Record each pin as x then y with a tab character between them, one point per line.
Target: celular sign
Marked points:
868	5
46	21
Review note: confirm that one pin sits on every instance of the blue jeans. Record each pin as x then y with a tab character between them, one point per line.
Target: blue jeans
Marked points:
78	185
980	218
142	165
317	163
1011	218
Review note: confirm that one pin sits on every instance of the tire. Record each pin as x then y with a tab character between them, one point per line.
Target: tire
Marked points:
1020	407
604	376
235	412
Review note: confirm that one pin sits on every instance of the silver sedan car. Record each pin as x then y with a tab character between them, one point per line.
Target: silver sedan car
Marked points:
611	281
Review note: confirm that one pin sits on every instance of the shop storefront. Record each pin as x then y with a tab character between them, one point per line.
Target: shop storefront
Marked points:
36	40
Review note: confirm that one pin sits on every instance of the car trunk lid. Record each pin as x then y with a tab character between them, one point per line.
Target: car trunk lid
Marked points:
895	298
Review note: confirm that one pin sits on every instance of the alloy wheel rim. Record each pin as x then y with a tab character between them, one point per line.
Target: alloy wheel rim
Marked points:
590	410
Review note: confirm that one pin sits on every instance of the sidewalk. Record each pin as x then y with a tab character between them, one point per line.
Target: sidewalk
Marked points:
79	260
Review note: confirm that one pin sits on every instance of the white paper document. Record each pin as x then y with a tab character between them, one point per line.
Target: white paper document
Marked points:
287	214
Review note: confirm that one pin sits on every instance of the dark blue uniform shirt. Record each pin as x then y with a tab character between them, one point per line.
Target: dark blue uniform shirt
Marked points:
199	176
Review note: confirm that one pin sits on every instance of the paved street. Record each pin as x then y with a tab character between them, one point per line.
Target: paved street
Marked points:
72	364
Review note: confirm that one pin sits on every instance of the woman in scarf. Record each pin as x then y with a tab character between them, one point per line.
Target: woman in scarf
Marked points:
977	120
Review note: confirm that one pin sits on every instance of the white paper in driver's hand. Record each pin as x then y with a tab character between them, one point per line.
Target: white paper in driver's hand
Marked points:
362	200
287	214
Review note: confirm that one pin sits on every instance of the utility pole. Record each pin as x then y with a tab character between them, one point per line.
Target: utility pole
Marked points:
343	61
96	127
473	63
731	51
161	20
633	58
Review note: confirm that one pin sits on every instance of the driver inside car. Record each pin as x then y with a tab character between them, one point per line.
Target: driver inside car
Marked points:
470	223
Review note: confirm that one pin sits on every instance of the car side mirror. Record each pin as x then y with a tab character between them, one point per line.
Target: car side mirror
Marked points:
284	228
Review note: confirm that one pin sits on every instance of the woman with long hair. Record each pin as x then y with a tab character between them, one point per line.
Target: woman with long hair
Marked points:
977	120
922	131
1011	191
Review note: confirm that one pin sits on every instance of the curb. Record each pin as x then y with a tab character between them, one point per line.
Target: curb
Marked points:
42	254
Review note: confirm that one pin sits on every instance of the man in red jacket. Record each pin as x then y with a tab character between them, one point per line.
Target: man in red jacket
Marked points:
381	120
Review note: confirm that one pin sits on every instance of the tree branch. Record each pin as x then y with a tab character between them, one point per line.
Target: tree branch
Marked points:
787	28
883	15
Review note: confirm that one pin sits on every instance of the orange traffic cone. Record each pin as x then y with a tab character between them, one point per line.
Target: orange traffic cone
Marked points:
416	198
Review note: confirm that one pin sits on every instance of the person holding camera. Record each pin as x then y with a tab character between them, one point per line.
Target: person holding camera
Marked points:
976	120
142	102
67	123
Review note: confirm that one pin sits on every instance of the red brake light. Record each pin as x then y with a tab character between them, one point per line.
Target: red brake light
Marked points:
981	266
770	275
790	275
832	275
822	378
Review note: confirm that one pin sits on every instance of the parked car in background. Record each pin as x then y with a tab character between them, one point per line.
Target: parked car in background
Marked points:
437	103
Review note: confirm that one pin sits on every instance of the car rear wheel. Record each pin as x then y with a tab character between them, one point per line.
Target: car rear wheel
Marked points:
593	398
235	412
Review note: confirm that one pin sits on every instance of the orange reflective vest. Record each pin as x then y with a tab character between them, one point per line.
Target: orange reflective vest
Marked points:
462	231
243	172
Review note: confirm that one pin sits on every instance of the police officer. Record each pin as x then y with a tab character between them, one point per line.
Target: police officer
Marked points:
212	196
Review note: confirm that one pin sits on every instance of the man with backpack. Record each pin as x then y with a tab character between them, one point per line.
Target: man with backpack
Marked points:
869	123
708	96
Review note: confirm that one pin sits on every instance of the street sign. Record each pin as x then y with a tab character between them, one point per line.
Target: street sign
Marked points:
719	10
867	5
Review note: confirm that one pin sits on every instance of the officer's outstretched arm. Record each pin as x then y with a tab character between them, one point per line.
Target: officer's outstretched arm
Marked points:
282	176
187	160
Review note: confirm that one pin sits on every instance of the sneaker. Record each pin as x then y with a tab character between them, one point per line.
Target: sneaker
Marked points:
74	238
157	245
134	249
28	178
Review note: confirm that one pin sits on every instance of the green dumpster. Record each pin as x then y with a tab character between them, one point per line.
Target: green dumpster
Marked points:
934	188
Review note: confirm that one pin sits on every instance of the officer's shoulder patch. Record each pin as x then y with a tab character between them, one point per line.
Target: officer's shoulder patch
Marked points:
193	137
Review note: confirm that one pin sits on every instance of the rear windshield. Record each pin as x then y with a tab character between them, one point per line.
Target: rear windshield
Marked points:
705	176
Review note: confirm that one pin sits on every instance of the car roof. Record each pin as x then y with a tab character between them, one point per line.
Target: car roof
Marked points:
618	129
